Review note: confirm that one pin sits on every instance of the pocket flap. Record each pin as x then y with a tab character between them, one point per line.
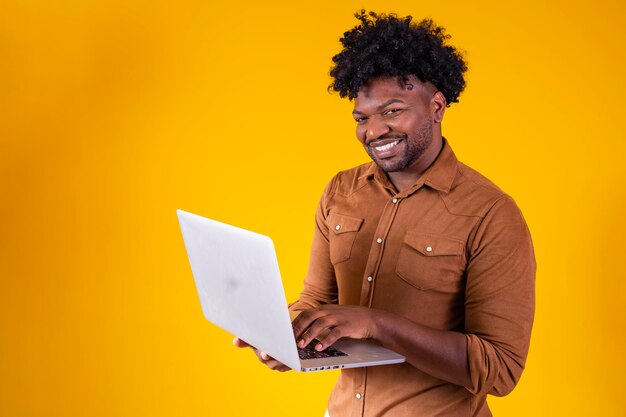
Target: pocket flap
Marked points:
340	223
431	245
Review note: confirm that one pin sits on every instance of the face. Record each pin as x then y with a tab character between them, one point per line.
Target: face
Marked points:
395	122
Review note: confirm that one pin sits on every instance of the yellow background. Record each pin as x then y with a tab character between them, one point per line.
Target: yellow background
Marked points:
115	113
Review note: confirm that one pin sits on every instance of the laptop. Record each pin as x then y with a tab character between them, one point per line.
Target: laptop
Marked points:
240	289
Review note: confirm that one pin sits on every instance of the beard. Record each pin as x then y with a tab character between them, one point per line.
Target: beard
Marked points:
414	147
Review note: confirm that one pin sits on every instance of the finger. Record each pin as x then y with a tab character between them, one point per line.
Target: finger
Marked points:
240	343
333	335
304	320
319	325
277	366
272	363
301	322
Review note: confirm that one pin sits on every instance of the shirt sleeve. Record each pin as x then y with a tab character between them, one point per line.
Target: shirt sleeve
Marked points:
499	299
320	284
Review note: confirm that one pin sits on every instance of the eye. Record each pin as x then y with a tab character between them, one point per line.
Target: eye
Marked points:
392	112
360	120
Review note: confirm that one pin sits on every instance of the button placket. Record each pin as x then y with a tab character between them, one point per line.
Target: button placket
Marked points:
376	251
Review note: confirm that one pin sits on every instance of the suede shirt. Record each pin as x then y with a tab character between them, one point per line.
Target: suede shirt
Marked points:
452	252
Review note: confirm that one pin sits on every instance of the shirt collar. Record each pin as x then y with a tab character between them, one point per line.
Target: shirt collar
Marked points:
439	176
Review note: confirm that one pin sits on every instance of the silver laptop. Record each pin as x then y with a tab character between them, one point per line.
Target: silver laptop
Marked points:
238	281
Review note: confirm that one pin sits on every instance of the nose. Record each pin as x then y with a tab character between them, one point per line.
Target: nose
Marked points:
373	128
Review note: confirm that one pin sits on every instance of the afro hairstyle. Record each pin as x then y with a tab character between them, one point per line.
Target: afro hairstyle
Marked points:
390	46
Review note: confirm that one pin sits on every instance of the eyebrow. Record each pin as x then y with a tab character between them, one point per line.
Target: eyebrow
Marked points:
382	106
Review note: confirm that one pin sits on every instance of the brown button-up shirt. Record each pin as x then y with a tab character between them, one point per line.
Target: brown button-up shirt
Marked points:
452	252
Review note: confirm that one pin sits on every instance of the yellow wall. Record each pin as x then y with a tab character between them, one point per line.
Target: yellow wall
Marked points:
115	113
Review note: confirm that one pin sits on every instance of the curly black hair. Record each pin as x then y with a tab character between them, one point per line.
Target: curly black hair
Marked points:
390	46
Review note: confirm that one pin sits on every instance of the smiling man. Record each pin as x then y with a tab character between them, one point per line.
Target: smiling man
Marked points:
415	250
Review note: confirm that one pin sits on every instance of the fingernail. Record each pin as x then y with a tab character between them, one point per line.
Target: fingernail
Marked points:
235	341
301	343
318	347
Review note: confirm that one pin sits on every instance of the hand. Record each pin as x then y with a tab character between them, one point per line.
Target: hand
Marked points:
356	322
263	357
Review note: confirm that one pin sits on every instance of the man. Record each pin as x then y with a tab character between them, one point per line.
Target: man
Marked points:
415	250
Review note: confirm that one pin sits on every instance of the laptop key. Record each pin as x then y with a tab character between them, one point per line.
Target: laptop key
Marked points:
309	352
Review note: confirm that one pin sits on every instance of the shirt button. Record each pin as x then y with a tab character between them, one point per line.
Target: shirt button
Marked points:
379	240
429	249
338	227
394	201
370	279
358	396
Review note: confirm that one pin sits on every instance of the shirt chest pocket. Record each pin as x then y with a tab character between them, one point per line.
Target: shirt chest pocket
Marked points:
429	261
343	231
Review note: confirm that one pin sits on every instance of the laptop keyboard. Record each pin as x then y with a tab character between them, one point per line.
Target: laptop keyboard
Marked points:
309	352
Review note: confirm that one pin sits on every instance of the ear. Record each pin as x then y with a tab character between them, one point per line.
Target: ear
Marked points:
438	106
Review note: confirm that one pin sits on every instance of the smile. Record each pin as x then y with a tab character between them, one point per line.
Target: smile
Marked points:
386	147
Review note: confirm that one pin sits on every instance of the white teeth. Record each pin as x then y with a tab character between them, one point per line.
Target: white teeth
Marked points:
387	146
